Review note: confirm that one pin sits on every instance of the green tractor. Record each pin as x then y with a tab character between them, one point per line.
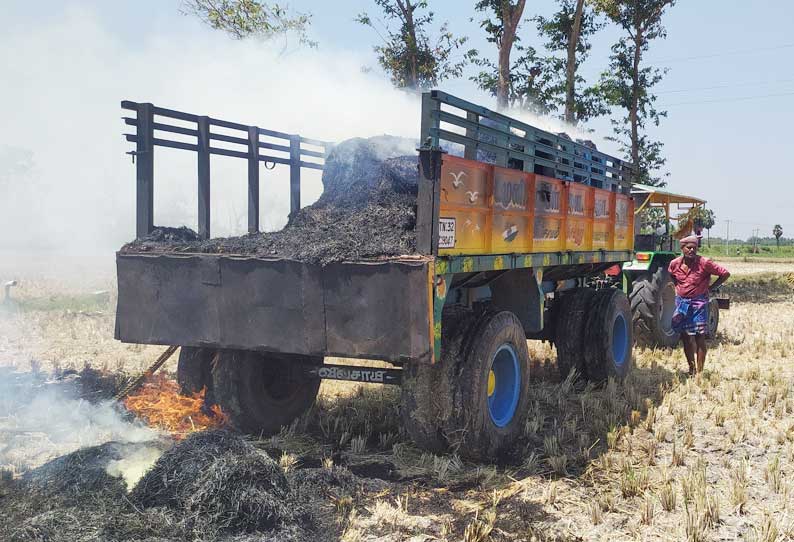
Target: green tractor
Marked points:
646	279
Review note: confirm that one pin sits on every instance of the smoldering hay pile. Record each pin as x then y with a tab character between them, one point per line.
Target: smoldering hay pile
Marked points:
138	484
367	210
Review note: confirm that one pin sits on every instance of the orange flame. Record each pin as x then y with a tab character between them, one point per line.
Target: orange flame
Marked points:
159	403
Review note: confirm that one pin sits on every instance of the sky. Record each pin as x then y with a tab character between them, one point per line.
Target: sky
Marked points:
65	66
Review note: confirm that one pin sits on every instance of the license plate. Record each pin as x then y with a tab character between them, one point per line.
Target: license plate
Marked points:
446	233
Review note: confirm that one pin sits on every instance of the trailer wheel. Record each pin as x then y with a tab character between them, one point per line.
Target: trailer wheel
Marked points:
608	336
426	394
261	393
569	330
714	318
194	369
652	306
491	390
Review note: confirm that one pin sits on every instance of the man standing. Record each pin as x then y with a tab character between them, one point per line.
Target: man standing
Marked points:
691	275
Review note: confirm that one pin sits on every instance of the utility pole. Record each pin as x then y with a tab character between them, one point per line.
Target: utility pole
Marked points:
727	235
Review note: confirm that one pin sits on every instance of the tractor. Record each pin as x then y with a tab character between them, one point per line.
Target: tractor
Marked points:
646	279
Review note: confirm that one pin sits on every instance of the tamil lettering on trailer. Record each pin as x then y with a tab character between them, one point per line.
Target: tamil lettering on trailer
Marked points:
575	203
357	375
547	197
510	195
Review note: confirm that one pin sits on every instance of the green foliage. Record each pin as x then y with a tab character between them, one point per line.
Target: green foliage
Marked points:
777	231
407	53
705	218
517	84
557	30
532	84
628	84
244	18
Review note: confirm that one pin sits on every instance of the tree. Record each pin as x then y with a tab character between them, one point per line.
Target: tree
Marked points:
777	231
568	31
244	18
407	54
501	27
628	83
705	219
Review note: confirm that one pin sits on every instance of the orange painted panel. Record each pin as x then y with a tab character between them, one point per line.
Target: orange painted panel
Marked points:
580	200
624	237
578	233
464	232
465	183
549	196
624	210
512	232
512	190
603	204
602	234
548	234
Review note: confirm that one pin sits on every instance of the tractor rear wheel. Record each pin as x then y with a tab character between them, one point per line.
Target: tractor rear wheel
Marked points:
569	330
714	318
652	306
262	392
608	336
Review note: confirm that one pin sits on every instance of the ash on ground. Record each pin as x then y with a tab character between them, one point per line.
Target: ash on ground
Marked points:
214	485
367	210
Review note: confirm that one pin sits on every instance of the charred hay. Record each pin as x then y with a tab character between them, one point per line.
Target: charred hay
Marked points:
367	210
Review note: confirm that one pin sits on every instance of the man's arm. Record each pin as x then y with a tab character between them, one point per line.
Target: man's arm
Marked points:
722	274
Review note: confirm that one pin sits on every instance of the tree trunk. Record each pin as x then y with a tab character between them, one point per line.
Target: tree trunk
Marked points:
635	98
408	15
570	68
510	16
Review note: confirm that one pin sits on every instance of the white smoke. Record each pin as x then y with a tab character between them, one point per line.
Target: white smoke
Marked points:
41	420
60	99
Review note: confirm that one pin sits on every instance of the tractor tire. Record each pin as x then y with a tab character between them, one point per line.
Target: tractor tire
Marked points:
262	392
714	319
608	336
652	300
571	314
426	394
490	393
194	369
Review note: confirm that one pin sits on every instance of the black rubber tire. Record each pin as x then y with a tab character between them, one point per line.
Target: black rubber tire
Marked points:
714	318
652	300
571	316
426	396
470	429
261	393
608	306
194	369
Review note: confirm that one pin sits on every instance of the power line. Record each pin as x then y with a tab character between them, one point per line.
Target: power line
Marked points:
722	100
726	53
726	85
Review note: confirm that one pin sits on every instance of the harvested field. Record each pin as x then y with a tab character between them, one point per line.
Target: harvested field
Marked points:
662	457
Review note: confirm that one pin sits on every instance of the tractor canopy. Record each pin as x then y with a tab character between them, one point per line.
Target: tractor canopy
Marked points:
680	213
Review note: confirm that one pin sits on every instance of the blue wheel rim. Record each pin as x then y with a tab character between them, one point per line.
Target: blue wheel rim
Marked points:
620	340
506	373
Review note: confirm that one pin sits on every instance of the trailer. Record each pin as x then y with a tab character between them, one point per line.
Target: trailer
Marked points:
514	226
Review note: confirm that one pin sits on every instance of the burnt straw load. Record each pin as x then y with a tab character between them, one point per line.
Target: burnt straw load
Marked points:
367	210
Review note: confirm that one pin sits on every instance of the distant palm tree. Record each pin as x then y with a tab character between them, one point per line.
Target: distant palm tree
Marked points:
777	231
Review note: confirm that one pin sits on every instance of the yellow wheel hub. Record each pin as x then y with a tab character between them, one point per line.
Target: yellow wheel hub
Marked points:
491	383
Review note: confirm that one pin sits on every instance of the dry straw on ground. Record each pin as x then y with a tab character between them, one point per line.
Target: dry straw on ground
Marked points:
659	457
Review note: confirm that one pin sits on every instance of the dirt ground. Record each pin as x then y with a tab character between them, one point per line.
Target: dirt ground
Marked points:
660	457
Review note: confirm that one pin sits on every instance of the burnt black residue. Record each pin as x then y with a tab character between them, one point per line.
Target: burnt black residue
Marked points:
367	210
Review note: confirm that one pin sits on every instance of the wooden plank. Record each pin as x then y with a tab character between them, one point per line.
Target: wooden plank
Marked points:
204	177
428	201
144	171
253	179
294	173
470	150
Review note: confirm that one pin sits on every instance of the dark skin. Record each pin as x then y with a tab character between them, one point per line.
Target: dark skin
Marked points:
695	345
